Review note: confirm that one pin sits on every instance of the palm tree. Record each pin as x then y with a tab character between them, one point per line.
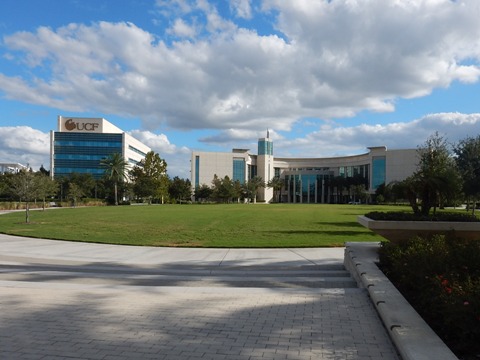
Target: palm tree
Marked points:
276	183
115	167
252	186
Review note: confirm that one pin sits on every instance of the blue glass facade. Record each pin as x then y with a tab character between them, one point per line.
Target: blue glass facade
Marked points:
353	171
307	188
239	170
82	152
378	171
197	171
265	147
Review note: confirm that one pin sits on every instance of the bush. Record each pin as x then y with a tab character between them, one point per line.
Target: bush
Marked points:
440	277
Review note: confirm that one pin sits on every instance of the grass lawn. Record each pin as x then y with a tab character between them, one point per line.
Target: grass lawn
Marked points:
232	225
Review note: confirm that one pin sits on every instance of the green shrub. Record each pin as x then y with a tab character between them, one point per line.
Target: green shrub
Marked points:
440	277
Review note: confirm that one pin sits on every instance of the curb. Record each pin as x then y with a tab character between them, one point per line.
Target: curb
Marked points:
412	336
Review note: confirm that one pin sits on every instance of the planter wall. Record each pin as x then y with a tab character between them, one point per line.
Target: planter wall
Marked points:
403	230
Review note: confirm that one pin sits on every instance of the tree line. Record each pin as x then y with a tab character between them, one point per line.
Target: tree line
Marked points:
227	190
146	182
446	174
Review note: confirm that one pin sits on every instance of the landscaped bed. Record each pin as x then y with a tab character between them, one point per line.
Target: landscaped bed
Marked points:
440	277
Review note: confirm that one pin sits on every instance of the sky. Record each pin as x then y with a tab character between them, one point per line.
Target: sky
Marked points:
325	77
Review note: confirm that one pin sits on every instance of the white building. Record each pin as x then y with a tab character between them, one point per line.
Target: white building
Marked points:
80	144
306	180
11	168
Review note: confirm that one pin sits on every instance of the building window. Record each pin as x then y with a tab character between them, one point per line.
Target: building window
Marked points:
378	171
239	170
135	150
252	171
82	153
197	171
265	147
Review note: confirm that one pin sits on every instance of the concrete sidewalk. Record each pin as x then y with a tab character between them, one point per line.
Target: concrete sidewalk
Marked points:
53	305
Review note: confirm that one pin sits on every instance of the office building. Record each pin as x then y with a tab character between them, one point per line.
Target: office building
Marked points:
80	144
306	180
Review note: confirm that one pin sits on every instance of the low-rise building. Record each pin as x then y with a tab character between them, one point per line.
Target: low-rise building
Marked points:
11	168
306	180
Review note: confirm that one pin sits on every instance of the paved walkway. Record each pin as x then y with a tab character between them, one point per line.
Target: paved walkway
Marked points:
66	300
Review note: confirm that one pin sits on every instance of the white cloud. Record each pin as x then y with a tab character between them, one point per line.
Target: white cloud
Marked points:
335	58
181	29
336	140
242	8
24	145
177	158
158	142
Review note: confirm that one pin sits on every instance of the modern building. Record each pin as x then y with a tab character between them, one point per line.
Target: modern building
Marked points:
11	168
306	180
80	144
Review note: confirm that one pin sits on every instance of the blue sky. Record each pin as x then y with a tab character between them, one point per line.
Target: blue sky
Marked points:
327	78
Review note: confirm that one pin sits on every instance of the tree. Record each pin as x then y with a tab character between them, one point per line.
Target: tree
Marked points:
180	189
467	158
276	183
24	186
45	187
252	186
237	190
74	193
436	178
359	192
85	181
4	183
115	167
216	183
150	178
203	192
225	191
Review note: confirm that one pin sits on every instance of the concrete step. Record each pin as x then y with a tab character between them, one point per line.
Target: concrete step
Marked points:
283	276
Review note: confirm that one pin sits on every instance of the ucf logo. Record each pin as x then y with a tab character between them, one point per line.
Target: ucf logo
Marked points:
71	125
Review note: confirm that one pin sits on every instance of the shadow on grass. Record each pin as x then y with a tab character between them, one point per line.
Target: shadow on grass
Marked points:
352	224
325	232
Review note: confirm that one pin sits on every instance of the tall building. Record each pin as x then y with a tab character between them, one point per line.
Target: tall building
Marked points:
80	144
306	180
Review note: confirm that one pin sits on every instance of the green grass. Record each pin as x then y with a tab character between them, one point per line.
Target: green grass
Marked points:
233	225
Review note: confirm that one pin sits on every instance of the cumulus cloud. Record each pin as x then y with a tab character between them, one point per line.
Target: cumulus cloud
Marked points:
177	158
181	29
232	136
242	8
332	59
24	145
157	142
336	140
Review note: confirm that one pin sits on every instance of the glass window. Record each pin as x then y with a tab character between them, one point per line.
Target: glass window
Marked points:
137	151
378	171
239	170
82	152
197	171
265	147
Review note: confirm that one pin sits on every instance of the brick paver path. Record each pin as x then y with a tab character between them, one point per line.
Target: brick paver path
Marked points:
107	311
